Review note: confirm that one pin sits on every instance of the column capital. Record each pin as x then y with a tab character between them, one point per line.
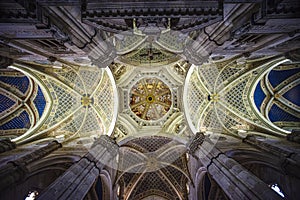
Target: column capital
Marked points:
6	145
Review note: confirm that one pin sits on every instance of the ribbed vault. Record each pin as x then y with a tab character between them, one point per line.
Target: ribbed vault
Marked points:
152	166
81	102
23	102
220	95
277	96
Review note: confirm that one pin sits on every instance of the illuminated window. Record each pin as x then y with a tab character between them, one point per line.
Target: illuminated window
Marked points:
276	188
32	195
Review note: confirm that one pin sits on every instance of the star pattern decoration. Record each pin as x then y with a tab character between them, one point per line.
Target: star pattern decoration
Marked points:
150	99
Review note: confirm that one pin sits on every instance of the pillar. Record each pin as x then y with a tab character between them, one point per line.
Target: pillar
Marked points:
78	179
236	181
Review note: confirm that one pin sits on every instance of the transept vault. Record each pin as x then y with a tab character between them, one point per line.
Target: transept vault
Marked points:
149	100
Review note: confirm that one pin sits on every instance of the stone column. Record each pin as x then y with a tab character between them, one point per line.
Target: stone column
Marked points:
78	179
15	171
6	145
236	181
290	160
195	53
86	38
196	142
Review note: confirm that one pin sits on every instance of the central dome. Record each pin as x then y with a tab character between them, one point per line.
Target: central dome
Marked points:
150	98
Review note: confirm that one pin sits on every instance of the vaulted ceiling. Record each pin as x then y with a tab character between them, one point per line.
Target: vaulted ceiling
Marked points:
150	75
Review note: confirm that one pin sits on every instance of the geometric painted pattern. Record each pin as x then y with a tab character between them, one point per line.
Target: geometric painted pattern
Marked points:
40	101
80	104
17	112
224	97
6	103
21	121
160	169
20	83
277	95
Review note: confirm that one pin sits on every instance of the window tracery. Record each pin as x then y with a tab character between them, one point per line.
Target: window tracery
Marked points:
143	168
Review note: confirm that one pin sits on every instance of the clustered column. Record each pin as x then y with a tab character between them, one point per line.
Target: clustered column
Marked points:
79	178
236	181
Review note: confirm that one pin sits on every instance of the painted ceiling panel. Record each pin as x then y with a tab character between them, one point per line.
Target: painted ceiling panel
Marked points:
19	122
278	114
152	183
293	95
278	76
20	83
5	103
40	102
259	96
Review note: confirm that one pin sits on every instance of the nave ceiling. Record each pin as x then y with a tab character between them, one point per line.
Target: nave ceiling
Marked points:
76	72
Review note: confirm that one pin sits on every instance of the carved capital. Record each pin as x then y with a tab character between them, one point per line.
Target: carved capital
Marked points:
6	145
196	142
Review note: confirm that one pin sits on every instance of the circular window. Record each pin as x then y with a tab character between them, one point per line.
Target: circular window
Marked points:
150	99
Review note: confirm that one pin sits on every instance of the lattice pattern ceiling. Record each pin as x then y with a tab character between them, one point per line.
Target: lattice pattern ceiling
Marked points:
220	96
153	165
149	54
81	102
